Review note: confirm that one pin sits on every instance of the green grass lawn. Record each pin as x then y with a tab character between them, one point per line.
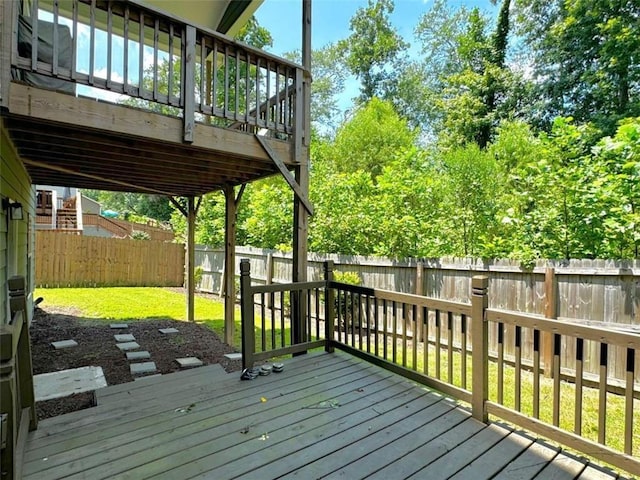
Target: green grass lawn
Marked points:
137	304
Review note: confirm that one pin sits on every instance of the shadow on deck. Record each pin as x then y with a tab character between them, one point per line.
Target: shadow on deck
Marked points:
326	415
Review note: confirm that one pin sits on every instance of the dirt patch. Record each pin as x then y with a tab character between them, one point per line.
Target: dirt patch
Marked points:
97	347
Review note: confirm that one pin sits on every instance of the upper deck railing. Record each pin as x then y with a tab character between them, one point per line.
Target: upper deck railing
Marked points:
139	56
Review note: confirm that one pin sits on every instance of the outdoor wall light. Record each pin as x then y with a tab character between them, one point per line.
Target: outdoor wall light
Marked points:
14	209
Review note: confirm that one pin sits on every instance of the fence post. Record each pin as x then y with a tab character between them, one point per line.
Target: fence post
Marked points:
550	311
480	343
247	314
329	305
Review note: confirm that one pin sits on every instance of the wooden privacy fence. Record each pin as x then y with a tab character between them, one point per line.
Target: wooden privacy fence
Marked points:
598	292
81	261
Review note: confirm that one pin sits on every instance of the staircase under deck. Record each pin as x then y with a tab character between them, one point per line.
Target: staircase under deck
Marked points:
83	142
326	415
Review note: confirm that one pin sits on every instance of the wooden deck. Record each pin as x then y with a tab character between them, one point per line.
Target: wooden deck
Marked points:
326	415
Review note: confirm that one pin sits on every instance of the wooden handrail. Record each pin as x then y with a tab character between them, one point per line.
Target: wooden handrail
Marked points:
384	327
17	401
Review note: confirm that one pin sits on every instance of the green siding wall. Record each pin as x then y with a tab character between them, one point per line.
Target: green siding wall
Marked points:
16	246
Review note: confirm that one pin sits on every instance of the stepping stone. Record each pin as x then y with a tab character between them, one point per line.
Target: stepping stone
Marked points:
144	367
66	382
233	356
127	337
141	355
118	326
128	346
64	344
188	362
168	330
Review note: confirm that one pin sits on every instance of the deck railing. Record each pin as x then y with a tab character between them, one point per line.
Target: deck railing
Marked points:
445	345
17	403
157	61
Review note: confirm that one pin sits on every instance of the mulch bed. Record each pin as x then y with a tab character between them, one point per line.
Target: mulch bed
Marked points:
97	347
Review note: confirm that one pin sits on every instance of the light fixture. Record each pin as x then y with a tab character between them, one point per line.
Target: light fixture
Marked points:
14	209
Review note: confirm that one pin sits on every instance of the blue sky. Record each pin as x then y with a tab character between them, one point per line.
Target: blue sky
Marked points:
330	19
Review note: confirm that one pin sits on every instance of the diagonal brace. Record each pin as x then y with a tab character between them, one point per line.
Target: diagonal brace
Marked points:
287	175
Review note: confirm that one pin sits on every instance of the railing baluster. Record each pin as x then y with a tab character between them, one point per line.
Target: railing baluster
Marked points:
276	114
34	35
577	427
318	314
359	321
236	110
214	67
376	318
282	324
263	323
425	340
518	369
536	373
258	101
92	41
501	363
247	92
74	39
156	42
273	320
404	334
385	327
141	88
602	394
557	344
125	49
438	345
450	347
414	342
628	401
226	82
463	353
56	44
170	79
394	332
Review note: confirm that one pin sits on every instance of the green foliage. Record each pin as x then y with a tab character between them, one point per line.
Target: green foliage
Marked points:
350	278
140	235
373	49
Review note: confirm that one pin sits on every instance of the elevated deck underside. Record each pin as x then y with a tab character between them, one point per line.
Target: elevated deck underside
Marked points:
84	143
326	415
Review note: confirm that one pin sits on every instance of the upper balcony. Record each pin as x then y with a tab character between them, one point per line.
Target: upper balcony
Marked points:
120	96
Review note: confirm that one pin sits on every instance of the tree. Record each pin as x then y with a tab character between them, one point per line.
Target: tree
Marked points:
373	50
586	59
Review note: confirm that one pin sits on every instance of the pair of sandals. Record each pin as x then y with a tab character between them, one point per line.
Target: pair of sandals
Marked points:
266	369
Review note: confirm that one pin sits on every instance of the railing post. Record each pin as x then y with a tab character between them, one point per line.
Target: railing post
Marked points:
18	302
480	343
188	83
247	314
329	306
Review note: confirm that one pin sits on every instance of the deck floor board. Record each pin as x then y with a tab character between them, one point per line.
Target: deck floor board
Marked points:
326	416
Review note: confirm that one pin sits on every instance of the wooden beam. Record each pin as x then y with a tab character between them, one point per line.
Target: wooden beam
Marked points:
231	204
120	119
300	191
190	258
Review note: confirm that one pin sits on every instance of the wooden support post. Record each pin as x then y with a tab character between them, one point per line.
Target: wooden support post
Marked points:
7	19
247	315
300	221
417	324
329	306
550	311
480	344
229	265
190	258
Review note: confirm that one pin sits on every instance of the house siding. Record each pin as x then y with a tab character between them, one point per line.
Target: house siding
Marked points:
16	236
